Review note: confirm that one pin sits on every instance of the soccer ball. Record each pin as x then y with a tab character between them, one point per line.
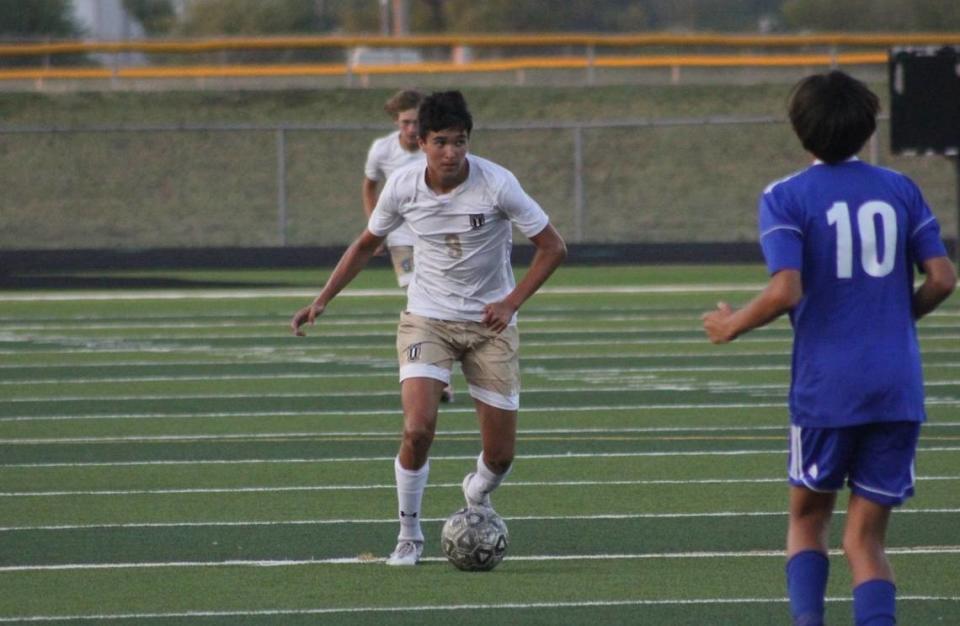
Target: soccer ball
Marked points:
474	539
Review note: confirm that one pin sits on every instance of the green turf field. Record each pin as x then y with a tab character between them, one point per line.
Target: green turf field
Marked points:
177	457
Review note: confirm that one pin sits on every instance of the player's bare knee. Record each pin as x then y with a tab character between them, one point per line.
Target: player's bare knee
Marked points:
418	438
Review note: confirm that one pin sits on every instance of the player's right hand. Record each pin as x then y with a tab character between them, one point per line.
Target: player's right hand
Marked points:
306	315
715	323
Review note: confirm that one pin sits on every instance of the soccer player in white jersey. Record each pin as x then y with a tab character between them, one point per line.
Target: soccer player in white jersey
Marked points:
462	301
841	239
386	155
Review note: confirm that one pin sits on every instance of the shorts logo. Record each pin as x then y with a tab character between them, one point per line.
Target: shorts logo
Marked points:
477	221
413	352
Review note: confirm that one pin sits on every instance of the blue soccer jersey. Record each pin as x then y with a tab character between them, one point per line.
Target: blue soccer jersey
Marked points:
855	233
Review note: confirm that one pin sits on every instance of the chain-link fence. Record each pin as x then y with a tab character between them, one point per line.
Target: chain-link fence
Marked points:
681	180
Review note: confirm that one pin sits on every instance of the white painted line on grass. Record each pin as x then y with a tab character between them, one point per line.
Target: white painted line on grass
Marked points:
899	551
391	520
246	294
391	486
433	459
646	385
510	606
584	372
451	608
392	434
397	411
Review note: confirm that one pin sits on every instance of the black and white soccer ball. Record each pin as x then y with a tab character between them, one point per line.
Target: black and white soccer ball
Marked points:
475	539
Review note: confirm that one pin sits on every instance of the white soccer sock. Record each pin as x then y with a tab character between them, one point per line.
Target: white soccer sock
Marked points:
485	480
410	486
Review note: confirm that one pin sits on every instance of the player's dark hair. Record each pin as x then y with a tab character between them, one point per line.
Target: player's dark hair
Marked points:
403	101
444	110
833	114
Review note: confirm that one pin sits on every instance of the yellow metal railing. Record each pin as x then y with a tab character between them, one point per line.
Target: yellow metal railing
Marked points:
871	49
486	40
339	69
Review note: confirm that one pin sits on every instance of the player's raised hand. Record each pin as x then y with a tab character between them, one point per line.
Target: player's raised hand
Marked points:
497	315
715	323
306	315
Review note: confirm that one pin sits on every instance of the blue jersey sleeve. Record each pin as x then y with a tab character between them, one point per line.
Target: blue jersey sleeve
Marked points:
781	235
924	240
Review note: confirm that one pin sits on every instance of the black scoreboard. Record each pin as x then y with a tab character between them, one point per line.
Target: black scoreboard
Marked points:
925	100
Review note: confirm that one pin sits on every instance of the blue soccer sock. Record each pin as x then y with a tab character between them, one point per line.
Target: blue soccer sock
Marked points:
875	603
807	574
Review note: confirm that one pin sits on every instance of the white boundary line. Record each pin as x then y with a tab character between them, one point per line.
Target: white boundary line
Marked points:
391	486
636	386
585	373
392	434
447	411
397	411
445	607
246	294
433	459
365	521
898	551
135	346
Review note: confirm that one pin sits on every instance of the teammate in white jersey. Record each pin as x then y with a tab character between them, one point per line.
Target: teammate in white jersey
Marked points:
461	303
386	155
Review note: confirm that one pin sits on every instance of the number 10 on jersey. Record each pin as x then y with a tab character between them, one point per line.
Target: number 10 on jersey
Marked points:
873	264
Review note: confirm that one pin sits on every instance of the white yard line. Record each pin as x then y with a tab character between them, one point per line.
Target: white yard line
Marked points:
532	371
510	606
365	521
247	294
645	385
447	410
899	551
433	459
392	486
392	434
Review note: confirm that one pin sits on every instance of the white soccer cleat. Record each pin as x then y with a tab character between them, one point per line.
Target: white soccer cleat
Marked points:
407	552
483	502
447	394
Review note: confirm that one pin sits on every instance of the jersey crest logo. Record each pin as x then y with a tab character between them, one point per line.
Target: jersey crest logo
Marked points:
477	221
413	352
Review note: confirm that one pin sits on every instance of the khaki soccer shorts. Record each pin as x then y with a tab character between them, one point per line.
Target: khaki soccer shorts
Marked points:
402	259
427	348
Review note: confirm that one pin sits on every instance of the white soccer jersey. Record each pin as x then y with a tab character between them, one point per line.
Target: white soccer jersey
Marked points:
463	238
385	156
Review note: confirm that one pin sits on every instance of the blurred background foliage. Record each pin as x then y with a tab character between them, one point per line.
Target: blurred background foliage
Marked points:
196	18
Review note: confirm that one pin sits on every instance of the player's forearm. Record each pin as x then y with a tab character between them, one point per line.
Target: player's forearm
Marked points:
781	294
368	193
548	257
354	259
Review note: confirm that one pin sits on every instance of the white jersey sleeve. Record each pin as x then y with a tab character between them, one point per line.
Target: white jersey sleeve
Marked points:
387	155
529	218
386	215
373	169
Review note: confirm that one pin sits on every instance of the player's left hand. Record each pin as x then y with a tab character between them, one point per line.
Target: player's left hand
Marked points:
306	315
497	315
715	323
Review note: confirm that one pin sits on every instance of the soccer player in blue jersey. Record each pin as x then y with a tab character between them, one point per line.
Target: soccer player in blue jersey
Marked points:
841	239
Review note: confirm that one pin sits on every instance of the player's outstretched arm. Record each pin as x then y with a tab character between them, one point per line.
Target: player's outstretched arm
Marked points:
369	194
781	294
939	282
353	260
550	253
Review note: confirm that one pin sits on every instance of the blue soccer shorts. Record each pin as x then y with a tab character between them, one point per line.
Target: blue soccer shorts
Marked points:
876	460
